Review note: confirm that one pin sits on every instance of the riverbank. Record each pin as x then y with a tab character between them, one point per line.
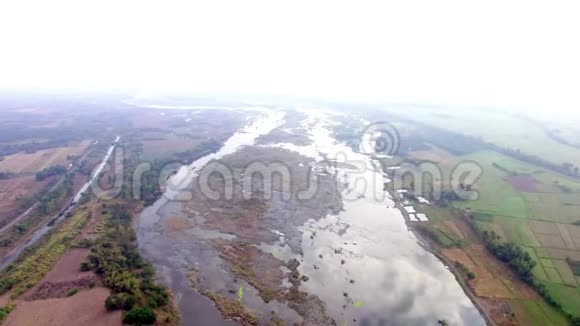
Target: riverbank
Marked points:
432	247
492	286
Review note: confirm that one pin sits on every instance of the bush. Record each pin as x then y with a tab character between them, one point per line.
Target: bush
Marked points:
49	172
72	292
5	311
157	297
516	258
120	301
140	316
85	266
148	272
85	243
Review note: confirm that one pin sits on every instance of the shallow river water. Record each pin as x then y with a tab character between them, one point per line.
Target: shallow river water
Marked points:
364	263
396	280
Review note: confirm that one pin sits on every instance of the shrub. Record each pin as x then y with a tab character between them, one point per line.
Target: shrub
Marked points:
157	297
5	311
85	266
120	301
49	172
140	316
72	292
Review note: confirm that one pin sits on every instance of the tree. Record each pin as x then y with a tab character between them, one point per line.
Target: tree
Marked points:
118	301
140	316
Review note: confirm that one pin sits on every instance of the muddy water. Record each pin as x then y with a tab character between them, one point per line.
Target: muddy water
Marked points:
175	256
364	263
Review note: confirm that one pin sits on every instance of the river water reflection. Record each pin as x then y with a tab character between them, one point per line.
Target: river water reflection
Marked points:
364	263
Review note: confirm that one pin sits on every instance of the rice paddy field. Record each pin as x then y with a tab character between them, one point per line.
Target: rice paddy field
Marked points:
532	207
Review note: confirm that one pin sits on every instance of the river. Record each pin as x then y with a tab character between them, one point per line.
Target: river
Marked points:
169	257
397	281
386	276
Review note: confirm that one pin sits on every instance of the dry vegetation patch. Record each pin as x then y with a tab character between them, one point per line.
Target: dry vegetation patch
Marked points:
34	162
485	284
523	182
13	190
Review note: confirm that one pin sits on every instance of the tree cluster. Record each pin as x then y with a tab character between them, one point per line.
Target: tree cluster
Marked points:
49	172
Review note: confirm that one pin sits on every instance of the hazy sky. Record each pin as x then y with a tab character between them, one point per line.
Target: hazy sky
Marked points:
497	53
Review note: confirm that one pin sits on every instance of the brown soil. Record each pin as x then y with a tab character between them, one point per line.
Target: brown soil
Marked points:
84	308
485	284
451	226
239	217
34	162
499	311
68	267
500	271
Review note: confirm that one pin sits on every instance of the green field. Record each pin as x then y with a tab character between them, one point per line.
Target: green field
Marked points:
539	313
517	231
500	128
503	207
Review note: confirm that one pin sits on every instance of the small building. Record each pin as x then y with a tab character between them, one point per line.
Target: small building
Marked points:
422	217
423	200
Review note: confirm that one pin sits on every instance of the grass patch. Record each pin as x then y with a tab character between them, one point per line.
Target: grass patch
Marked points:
553	275
464	270
441	238
496	195
516	230
569	297
540	314
547	262
483	217
538	271
232	309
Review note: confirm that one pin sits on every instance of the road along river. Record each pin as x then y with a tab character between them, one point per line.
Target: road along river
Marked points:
53	221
